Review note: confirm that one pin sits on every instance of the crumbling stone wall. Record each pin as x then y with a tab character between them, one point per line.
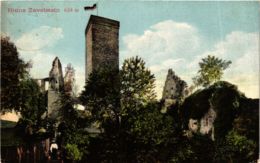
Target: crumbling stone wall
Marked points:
56	76
55	87
174	87
43	84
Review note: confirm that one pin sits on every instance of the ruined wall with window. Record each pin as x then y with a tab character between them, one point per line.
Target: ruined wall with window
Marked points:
174	87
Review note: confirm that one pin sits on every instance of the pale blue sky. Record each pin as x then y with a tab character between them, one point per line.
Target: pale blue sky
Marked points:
172	34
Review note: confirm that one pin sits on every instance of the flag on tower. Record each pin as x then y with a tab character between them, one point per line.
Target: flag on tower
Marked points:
90	7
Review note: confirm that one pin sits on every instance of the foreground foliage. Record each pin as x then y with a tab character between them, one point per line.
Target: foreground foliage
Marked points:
134	129
128	121
13	69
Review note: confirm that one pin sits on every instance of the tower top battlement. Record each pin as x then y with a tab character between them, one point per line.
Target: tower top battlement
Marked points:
102	21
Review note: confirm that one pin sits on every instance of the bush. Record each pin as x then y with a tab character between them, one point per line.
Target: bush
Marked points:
72	152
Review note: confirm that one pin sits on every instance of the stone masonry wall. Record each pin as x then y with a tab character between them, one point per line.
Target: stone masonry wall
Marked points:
88	57
102	44
55	87
174	87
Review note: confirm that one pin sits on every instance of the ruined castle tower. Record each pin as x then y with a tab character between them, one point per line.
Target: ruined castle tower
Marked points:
174	87
56	85
101	44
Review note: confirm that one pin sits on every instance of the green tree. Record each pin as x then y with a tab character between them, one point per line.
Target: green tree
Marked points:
137	84
152	133
73	138
113	98
211	71
101	96
33	101
236	148
111	94
19	92
13	69
31	126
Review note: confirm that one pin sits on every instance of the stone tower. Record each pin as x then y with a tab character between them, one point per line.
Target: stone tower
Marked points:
102	44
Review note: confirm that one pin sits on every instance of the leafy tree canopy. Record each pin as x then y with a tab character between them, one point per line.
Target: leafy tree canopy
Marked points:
137	84
13	69
33	101
211	70
101	95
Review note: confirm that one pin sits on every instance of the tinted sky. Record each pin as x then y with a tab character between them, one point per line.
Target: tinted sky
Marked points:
165	34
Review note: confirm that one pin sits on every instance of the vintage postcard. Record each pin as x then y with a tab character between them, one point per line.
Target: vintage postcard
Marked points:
129	81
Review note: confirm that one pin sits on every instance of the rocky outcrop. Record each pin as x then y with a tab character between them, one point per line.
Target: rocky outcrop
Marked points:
205	125
216	110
